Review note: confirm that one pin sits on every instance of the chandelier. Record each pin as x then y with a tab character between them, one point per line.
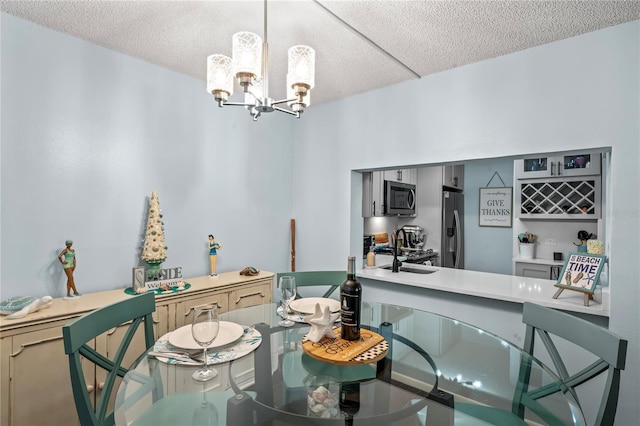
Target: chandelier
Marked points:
249	65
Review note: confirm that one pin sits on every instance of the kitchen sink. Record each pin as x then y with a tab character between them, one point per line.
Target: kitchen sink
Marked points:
409	269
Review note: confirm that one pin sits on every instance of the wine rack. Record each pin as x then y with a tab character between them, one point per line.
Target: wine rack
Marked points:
560	199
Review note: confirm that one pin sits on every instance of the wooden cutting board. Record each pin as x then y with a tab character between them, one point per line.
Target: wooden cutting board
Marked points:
370	348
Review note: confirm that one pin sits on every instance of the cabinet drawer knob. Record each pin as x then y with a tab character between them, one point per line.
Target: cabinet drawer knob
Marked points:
90	388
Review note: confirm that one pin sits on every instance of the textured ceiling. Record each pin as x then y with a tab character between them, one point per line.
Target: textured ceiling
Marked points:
360	45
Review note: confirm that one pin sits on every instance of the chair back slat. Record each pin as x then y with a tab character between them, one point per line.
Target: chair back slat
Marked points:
78	336
597	340
82	399
333	279
610	348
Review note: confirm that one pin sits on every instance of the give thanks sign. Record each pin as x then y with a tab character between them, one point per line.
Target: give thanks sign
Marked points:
496	206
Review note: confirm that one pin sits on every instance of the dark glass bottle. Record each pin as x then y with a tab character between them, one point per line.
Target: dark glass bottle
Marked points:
349	401
350	303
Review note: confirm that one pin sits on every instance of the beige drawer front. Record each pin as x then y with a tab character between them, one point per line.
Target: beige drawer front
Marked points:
184	310
257	294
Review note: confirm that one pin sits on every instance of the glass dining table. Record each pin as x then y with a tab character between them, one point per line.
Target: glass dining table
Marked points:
436	371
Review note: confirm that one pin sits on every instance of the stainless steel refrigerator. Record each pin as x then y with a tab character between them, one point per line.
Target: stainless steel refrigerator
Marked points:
452	250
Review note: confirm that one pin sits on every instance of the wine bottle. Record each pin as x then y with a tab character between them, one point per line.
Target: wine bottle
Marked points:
349	401
350	303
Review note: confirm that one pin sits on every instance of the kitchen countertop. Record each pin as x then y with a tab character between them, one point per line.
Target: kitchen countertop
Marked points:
508	288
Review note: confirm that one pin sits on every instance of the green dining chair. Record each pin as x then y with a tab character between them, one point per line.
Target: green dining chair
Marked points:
78	337
609	349
332	279
542	322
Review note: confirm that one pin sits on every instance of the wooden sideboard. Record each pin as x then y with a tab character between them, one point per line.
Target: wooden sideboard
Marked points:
34	370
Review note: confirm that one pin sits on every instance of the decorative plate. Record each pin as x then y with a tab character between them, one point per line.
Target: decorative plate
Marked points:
15	304
249	342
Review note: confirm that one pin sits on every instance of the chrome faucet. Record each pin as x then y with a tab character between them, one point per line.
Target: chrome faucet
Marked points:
396	263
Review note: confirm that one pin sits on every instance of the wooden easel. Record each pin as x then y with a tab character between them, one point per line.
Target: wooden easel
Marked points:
587	294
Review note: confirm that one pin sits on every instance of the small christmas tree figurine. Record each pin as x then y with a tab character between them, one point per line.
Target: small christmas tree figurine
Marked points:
154	251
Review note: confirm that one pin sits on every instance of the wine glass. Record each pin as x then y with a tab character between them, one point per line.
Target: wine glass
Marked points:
287	294
206	414
204	329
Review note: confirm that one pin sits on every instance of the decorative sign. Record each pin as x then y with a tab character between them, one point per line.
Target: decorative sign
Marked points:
170	277
139	277
581	272
496	206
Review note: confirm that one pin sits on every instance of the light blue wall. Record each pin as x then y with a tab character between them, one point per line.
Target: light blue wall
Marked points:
582	92
88	133
487	249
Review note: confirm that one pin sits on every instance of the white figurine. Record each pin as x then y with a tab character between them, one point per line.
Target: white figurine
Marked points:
321	324
36	305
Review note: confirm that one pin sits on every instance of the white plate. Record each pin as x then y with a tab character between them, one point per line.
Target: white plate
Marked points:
248	343
229	332
307	305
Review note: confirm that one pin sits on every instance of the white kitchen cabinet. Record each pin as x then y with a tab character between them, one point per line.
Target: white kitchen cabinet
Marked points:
34	370
453	176
372	194
585	163
402	175
538	270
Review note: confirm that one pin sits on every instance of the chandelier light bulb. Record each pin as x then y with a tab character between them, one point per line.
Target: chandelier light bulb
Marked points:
247	57
219	76
302	62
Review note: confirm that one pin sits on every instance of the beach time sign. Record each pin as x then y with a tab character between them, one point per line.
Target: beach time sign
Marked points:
581	272
496	206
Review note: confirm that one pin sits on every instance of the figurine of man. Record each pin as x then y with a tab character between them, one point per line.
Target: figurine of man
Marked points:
68	259
214	246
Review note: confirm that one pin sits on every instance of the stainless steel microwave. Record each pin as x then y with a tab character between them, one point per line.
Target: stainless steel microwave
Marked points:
399	198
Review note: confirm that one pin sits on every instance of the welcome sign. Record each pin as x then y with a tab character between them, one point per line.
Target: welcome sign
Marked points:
171	277
496	206
581	272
